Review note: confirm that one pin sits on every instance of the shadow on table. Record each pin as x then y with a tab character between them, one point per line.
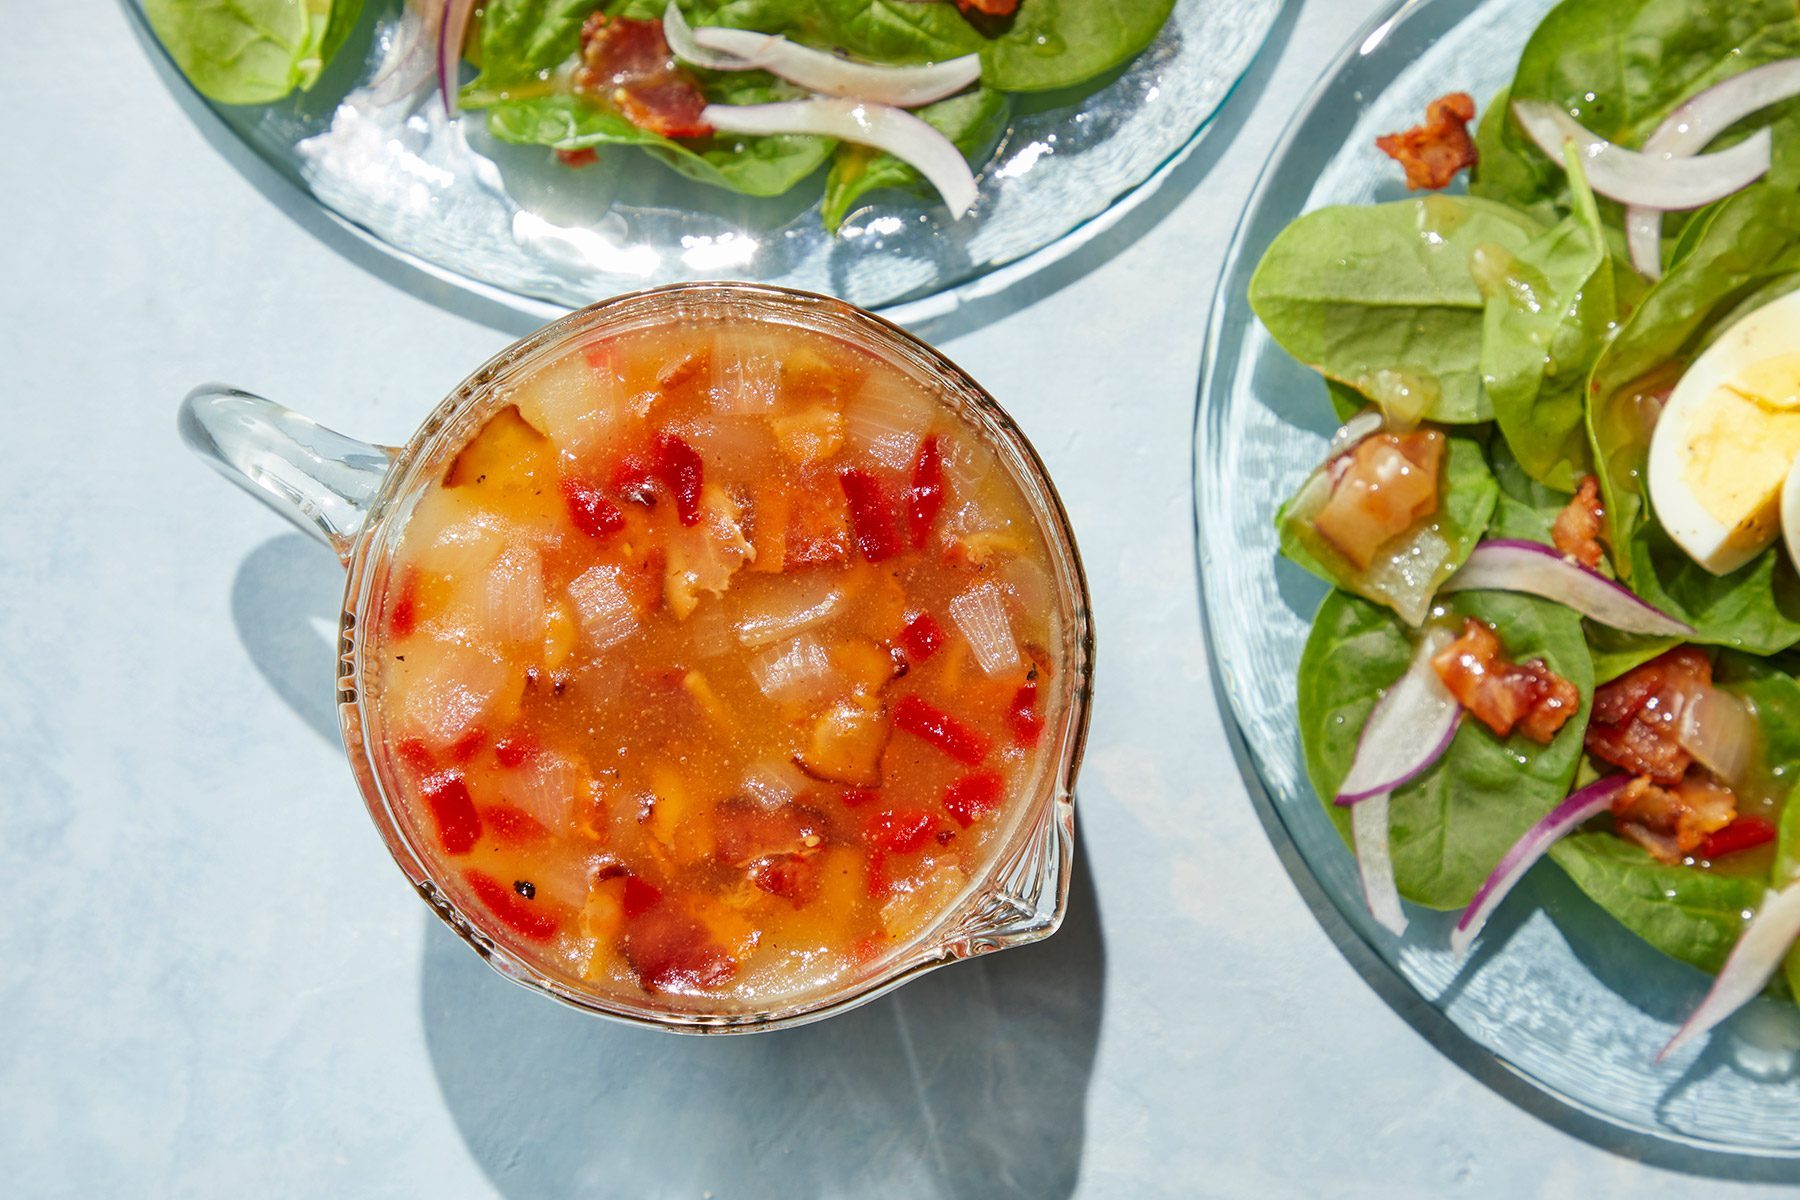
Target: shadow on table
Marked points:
285	603
969	1082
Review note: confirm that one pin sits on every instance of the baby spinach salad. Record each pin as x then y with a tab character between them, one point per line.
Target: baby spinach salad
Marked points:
1561	519
751	96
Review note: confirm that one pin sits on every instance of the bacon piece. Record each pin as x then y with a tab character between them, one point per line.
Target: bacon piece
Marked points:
587	156
1381	488
1577	529
988	8
1434	152
626	62
670	952
1637	716
1673	822
1504	696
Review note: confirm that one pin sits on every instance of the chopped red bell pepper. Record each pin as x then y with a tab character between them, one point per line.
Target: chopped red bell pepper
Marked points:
463	748
527	918
1022	715
965	745
599	356
516	749
415	754
857	797
587	156
926	495
1745	833
871	514
511	825
898	830
679	466
974	796
453	811
590	510
640	896
403	618
922	637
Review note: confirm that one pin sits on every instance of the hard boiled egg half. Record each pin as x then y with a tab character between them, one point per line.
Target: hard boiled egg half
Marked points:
1728	440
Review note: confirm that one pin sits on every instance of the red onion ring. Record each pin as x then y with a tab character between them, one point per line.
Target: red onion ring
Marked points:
1647	180
1508	565
1408	730
1760	948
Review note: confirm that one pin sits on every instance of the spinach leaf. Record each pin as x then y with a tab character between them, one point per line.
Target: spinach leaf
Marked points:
1466	501
974	121
520	38
1382	298
1615	653
1786	870
1756	608
1687	913
753	166
1622	65
1510	170
1740	244
251	51
1449	827
1059	43
1549	314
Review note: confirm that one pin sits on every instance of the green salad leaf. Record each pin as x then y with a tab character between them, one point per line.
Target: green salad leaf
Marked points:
1689	914
975	121
1550	311
251	51
521	38
1451	826
1755	608
1383	298
1466	502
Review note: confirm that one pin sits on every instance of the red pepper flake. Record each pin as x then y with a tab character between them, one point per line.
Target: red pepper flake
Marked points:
926	495
584	157
516	750
590	510
1745	833
922	637
453	811
942	730
898	830
640	896
524	917
403	618
871	514
974	796
511	825
679	466
857	797
1022	715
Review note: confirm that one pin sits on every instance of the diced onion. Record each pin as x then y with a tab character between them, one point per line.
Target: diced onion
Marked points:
830	75
746	373
980	614
1364	424
605	611
772	784
1688	130
886	421
1580	807
1409	728
545	788
1766	940
1374	863
444	692
451	32
795	673
1508	565
514	610
1719	730
1647	180
882	126
791	605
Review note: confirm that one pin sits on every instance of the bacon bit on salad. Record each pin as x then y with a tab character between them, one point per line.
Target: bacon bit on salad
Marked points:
1504	695
1636	723
627	62
587	156
1578	527
1380	488
1673	822
1434	152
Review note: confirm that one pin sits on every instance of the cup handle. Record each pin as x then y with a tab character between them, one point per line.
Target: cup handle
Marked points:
322	481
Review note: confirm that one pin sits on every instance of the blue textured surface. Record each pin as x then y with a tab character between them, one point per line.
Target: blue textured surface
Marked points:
215	983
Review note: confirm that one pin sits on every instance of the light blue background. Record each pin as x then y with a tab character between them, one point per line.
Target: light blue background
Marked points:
214	982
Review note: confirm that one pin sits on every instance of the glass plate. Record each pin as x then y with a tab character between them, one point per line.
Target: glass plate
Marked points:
1556	992
511	224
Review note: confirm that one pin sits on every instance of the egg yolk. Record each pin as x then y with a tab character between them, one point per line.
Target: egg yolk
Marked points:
1742	443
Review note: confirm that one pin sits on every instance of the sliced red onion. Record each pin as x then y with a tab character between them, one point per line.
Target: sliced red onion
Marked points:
1508	565
407	64
1409	728
1647	180
830	75
879	125
451	32
1369	834
1580	807
680	36
1364	424
1719	730
1760	948
1690	128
